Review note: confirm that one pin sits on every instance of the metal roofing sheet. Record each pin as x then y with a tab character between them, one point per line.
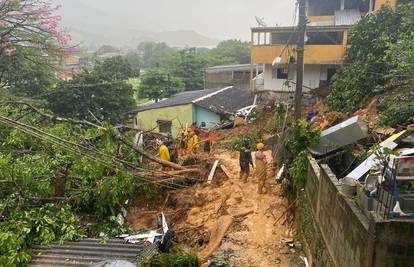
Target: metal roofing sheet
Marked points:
176	100
227	101
347	17
91	251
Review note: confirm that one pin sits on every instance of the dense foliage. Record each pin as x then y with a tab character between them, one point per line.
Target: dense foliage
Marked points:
177	259
102	91
157	84
250	138
47	180
187	64
379	61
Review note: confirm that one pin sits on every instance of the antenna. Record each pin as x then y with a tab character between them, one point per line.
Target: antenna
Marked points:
261	22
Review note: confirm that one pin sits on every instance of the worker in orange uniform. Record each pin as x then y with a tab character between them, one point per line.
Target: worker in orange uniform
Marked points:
208	142
261	167
164	153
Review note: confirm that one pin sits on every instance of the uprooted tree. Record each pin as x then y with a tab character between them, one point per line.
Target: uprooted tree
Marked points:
52	169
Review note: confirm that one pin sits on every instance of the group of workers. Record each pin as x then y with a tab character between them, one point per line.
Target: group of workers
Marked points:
189	142
186	144
245	160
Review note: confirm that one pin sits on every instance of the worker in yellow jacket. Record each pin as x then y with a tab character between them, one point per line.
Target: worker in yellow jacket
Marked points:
193	143
164	153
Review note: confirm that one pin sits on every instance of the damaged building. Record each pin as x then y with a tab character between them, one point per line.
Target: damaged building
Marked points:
208	108
326	43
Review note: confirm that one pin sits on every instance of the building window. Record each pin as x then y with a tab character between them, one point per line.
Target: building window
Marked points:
164	126
280	73
136	122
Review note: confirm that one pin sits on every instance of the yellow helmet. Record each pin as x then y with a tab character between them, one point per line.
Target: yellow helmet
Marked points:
260	146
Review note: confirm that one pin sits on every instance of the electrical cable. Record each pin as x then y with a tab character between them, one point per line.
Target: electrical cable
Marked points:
49	138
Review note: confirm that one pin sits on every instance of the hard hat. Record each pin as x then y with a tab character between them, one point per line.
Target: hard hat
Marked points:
260	146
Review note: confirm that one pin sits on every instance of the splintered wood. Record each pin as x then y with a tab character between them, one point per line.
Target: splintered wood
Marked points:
212	172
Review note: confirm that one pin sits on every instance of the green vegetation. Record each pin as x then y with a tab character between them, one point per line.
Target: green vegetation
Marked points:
379	61
187	64
156	84
251	138
103	91
176	259
46	183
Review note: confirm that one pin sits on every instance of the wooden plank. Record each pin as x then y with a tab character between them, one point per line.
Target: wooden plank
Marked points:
212	172
226	172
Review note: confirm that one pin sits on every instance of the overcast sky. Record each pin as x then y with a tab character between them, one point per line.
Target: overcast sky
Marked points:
221	19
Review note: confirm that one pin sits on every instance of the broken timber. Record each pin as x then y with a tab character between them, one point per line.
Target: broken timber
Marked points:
212	172
225	170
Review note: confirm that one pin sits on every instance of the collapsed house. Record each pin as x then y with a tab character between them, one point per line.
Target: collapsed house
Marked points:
208	108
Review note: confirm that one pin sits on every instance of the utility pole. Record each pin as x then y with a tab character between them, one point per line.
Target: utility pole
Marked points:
300	58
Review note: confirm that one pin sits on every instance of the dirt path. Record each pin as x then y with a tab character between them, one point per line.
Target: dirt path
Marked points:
255	240
198	212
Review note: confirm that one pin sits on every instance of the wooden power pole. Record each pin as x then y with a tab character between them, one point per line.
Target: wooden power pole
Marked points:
300	58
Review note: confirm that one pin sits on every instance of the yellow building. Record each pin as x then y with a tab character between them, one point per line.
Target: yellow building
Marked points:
325	45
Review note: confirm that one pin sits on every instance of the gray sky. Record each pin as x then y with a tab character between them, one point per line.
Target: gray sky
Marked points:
221	19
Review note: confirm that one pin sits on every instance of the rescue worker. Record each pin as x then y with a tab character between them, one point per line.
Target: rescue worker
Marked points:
183	142
164	153
261	167
193	143
245	160
173	152
208	142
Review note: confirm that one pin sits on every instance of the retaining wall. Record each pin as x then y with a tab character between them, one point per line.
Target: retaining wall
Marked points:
350	237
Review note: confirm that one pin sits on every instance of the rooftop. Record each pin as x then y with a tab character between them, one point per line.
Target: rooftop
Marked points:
219	100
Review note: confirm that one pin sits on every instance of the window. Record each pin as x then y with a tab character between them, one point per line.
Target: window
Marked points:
164	126
324	38
280	73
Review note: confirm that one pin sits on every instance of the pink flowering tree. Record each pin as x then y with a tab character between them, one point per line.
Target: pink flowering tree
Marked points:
30	40
29	23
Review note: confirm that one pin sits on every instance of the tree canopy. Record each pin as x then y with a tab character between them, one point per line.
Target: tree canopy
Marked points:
102	91
379	62
30	41
157	83
373	60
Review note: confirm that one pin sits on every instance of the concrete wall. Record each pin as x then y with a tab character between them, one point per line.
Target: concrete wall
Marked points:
351	238
220	79
314	54
344	228
178	115
313	74
204	115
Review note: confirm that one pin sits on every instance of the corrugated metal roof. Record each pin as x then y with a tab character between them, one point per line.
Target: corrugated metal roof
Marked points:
227	101
347	17
91	251
176	100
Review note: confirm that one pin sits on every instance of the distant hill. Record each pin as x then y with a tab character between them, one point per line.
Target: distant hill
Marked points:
131	38
93	28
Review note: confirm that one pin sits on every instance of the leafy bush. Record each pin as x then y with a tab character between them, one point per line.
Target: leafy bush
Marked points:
379	58
398	109
299	169
303	136
42	225
11	253
177	259
252	138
